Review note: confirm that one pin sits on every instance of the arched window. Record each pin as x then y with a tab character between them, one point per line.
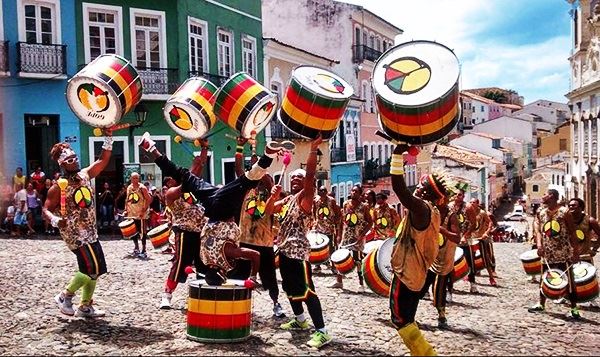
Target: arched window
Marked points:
379	155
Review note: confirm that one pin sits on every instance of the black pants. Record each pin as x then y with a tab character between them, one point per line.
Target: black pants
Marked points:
403	303
140	225
187	251
487	250
440	283
266	272
470	262
90	259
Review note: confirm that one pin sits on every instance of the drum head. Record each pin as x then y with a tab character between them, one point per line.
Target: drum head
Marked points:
186	120
529	255
415	73
339	255
458	255
317	240
161	228
372	245
384	259
555	279
583	271
93	101
260	116
126	223
322	82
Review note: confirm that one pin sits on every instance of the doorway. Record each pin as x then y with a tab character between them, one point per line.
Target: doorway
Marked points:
41	133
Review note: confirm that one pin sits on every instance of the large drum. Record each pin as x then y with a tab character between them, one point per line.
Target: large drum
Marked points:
532	263
372	245
554	284
586	284
245	105
189	111
475	247
343	261
319	247
314	102
128	228
104	91
377	268
416	90
219	314
159	236
461	267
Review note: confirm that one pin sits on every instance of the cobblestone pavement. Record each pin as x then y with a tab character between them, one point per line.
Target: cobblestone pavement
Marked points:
493	322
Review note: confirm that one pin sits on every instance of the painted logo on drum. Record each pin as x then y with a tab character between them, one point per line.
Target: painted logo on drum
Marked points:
407	75
92	97
189	197
180	118
83	197
329	83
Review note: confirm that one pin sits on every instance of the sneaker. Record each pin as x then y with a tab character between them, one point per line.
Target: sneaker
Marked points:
361	289
337	285
294	324
89	311
442	323
319	339
135	253
532	279
474	289
562	300
165	301
278	310
146	143
493	282
317	268
537	308
143	256
449	297
65	303
574	314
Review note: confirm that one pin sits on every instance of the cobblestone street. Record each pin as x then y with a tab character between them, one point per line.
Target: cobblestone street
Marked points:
493	322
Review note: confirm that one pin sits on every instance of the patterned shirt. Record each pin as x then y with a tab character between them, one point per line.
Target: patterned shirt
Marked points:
295	223
135	202
256	227
81	212
463	222
325	219
187	214
214	236
355	223
555	238
444	262
386	219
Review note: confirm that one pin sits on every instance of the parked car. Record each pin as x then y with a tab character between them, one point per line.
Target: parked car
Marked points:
515	216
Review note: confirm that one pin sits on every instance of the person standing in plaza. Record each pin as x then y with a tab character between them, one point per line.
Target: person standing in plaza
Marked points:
75	218
585	226
107	204
415	249
327	220
34	207
385	218
136	207
38	179
557	244
18	178
481	233
21	210
357	220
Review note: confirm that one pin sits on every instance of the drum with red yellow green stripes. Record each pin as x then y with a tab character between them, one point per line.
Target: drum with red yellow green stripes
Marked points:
245	105
416	90
219	313
189	111
159	236
377	268
104	91
314	102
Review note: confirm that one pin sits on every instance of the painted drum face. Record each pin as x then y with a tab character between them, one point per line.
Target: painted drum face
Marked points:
586	284
319	247
189	111
342	261
245	105
416	91
554	284
219	313
159	236
314	102
104	91
377	268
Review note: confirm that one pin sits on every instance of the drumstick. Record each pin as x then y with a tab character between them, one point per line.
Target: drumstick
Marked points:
287	158
178	139
63	183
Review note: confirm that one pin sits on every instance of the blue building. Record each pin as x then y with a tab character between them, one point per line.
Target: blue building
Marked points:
346	155
37	56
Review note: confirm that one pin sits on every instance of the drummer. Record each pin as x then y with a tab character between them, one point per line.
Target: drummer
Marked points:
481	233
385	218
137	203
458	206
585	224
188	219
327	220
357	222
556	243
220	236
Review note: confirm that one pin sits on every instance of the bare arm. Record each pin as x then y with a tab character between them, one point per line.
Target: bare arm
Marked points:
369	219
572	236
147	197
454	233
172	194
270	204
52	202
338	217
418	209
308	193
233	252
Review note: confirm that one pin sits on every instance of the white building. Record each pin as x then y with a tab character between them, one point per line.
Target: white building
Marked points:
505	126
548	111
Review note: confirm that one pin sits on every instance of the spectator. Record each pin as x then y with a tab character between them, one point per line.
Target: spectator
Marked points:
7	224
156	207
20	208
48	229
120	201
18	178
6	195
106	203
34	208
38	179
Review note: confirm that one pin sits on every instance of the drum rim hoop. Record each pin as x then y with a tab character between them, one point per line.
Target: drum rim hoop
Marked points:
270	96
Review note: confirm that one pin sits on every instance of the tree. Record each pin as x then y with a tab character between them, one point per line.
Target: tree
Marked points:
496	96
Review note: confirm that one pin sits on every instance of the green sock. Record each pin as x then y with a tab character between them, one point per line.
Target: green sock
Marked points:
78	280
87	292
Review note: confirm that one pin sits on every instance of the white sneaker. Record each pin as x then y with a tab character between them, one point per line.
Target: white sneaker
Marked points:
165	301
146	143
65	303
278	310
89	311
361	289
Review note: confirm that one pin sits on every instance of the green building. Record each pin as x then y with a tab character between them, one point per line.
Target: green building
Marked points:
168	42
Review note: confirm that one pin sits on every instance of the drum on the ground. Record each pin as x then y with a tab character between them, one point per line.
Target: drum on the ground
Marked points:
532	263
372	245
128	228
219	314
586	284
416	90
159	236
343	261
319	247
104	91
377	268
461	267
314	102
245	105
554	284
189	111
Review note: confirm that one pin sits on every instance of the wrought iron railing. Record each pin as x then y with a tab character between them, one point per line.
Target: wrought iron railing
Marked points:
363	52
159	80
279	131
3	56
41	58
213	78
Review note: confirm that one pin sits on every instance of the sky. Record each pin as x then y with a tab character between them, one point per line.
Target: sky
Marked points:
523	45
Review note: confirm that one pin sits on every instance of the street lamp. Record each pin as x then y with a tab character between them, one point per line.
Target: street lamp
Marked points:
141	112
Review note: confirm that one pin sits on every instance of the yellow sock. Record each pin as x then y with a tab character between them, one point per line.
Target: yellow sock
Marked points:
414	340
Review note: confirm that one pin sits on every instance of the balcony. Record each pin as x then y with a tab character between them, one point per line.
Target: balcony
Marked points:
159	81
373	171
41	60
339	154
362	52
279	131
4	58
213	78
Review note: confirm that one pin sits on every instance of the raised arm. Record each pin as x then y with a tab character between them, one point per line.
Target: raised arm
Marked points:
308	193
99	165
52	202
239	156
418	209
270	204
172	195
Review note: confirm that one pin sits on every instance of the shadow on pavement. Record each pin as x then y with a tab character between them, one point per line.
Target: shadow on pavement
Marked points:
462	304
453	328
563	316
461	292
